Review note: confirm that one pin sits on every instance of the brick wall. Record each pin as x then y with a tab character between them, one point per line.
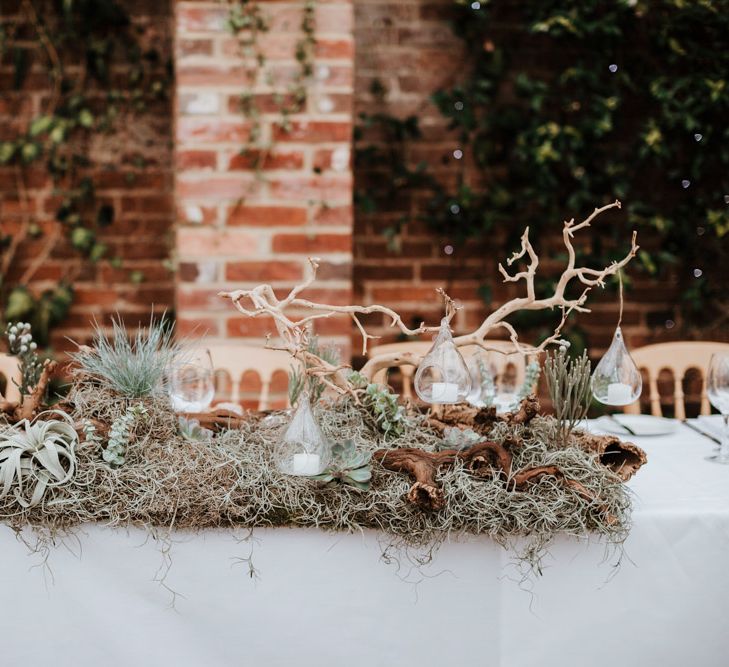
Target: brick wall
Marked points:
133	173
238	228
409	48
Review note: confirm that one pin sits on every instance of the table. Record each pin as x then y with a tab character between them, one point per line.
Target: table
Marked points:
326	598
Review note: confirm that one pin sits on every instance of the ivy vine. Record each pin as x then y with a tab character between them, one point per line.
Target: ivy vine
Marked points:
248	24
99	75
567	104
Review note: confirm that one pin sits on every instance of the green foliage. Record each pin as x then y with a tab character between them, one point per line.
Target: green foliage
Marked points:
348	466
77	45
566	105
37	455
568	382
119	434
136	367
248	24
456	438
531	376
299	381
389	416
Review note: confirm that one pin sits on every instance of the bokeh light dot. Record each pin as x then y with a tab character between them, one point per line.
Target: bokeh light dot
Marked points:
458	153
459	106
613	68
698	273
455	209
685	183
448	250
670	324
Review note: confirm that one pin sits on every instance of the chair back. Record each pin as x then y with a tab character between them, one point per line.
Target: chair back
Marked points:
678	358
236	360
10	370
508	359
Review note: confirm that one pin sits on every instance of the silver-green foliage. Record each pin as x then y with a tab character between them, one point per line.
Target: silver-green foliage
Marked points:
348	466
488	388
37	455
21	345
115	448
299	381
531	376
191	430
568	382
382	405
133	367
456	438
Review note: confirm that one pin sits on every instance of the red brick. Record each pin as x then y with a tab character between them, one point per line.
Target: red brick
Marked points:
264	271
313	131
196	327
217	187
266	216
189	160
191	131
334	48
211	76
195	47
340	216
255	159
246	327
303	243
315	188
201	19
201	299
210	242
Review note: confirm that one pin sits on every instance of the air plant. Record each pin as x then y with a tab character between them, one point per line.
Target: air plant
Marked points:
348	466
119	433
191	430
134	368
37	455
568	382
299	381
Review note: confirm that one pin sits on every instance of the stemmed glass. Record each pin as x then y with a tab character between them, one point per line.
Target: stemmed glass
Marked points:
717	388
191	382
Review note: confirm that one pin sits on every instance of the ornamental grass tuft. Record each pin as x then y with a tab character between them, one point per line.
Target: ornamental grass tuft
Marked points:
132	367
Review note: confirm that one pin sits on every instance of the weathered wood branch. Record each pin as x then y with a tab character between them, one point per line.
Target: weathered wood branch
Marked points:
30	404
293	329
623	458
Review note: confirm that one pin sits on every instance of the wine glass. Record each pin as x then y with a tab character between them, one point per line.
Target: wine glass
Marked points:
191	382
717	388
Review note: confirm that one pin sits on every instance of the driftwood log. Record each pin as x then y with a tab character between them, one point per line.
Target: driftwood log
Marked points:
484	459
218	419
480	420
30	404
623	458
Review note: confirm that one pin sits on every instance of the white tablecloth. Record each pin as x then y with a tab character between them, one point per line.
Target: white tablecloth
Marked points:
327	599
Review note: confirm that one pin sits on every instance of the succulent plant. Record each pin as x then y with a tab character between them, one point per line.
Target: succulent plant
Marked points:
348	466
456	438
568	382
113	453
37	455
531	375
21	345
191	430
391	417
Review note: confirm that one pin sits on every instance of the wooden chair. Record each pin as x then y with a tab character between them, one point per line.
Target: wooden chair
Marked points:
235	360
678	358
10	370
512	359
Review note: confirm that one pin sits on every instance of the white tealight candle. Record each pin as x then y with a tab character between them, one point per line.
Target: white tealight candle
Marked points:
306	464
619	394
444	392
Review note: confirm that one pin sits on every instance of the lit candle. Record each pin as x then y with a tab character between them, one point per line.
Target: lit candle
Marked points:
444	392
619	394
307	464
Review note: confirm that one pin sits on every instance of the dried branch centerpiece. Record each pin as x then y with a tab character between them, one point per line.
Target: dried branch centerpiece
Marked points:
293	330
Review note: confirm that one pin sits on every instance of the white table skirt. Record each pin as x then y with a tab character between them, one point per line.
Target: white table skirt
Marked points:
327	599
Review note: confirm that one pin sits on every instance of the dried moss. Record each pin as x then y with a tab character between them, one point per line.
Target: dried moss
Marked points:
232	481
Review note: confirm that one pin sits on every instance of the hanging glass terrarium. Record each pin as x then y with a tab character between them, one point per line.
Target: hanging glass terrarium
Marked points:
302	450
617	380
442	375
